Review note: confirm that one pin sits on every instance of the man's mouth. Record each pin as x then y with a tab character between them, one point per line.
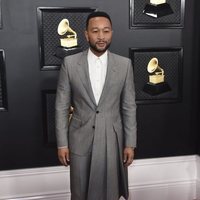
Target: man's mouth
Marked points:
101	44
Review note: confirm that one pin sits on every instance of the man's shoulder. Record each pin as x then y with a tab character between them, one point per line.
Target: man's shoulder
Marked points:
119	58
73	57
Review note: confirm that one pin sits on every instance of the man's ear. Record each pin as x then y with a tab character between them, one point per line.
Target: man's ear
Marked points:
86	35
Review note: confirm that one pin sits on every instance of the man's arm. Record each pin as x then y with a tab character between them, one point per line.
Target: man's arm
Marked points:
128	108
62	105
128	155
63	155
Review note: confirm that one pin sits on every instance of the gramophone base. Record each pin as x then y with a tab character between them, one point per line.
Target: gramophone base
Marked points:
155	89
61	52
157	11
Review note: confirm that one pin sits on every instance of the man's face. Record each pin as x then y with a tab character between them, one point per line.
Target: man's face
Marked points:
99	34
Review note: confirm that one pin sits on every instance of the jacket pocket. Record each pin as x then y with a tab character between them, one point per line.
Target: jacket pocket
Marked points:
75	123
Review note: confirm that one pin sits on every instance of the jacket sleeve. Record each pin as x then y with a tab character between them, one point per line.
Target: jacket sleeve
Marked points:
128	109
62	105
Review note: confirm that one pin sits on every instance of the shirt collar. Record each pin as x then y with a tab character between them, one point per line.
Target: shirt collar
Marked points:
93	57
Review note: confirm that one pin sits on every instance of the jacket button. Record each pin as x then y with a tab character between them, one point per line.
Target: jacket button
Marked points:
97	111
93	127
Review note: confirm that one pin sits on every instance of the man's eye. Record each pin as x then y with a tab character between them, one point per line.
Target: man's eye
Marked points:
106	31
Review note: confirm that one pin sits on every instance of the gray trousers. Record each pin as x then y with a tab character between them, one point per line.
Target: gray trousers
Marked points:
79	176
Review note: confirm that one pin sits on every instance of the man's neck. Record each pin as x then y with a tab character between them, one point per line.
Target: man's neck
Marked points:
98	54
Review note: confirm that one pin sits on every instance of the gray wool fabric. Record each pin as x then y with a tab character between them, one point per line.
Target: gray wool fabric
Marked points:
96	134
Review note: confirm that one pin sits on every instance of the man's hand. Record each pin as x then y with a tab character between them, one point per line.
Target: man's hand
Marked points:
63	156
128	156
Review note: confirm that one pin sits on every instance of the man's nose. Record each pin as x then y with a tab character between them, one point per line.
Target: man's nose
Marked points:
101	35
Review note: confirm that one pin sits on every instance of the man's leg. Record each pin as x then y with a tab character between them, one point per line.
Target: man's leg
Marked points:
79	176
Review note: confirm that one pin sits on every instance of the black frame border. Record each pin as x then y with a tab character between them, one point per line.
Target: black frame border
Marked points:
155	25
1	23
3	82
44	67
180	73
45	118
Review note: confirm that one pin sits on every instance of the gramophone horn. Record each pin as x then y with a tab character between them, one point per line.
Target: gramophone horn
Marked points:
152	65
63	26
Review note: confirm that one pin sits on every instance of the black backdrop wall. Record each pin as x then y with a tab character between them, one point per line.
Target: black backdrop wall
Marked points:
166	128
196	115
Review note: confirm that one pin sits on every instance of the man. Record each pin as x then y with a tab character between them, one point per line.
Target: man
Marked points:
100	139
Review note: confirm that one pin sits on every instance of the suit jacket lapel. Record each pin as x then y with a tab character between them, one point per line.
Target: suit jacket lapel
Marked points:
84	75
109	76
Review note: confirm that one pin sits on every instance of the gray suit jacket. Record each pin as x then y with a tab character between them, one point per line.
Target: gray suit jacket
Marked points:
116	109
103	129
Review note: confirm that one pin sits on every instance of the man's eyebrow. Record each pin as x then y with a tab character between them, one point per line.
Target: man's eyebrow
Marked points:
107	27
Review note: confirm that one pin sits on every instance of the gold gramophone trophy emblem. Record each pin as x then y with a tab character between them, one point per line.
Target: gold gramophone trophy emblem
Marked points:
68	40
156	84
157	8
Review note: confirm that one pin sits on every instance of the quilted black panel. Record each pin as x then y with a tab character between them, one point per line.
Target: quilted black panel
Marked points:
169	60
139	18
49	117
49	38
3	94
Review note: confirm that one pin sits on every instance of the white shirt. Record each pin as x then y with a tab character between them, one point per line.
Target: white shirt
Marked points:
97	72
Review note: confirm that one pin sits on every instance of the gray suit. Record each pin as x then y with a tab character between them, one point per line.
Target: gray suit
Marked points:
97	134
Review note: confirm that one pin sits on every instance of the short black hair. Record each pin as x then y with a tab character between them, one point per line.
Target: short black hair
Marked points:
97	14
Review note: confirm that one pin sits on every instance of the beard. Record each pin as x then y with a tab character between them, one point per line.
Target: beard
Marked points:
95	48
